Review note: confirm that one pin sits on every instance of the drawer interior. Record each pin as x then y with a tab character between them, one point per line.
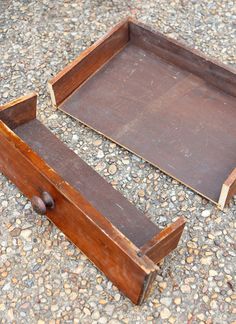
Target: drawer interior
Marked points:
161	100
168	116
108	201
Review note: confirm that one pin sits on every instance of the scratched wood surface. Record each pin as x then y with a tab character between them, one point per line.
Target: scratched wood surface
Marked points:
106	247
19	111
115	236
73	75
228	189
169	116
108	201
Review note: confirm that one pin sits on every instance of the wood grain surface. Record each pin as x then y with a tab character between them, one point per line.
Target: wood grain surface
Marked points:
104	245
228	189
192	60
178	121
19	111
164	241
92	214
63	84
99	193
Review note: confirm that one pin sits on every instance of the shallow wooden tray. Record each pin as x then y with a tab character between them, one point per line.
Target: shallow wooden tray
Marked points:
116	237
162	101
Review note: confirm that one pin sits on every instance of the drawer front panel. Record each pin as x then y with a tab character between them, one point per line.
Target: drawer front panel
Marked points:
120	266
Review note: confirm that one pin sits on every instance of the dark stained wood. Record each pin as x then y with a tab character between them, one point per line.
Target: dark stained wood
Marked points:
172	118
104	245
62	85
164	241
19	111
108	201
177	122
191	60
228	189
106	227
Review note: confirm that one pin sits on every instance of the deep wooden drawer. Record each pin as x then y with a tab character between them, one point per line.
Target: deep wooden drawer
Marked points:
115	236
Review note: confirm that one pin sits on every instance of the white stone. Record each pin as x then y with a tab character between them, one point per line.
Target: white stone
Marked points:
206	213
102	320
212	273
86	311
117	297
7	286
100	154
166	301
96	315
97	142
185	289
26	233
206	261
2	307
125	161
75	138
4	203
213	304
109	309
165	313
54	308
73	296
112	169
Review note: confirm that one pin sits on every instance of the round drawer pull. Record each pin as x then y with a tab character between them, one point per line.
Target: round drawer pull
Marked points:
48	200
40	205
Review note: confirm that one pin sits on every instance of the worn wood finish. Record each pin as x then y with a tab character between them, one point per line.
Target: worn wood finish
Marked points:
32	158
62	85
164	110
164	241
110	251
178	54
19	111
228	189
109	202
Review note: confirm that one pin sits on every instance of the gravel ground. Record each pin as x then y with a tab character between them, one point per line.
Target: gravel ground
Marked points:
43	277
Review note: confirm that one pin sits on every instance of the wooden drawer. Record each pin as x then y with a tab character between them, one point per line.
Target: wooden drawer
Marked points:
165	102
115	236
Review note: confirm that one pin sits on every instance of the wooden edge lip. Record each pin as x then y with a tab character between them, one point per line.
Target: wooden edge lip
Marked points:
52	82
146	264
231	178
52	95
14	102
88	50
194	51
148	280
228	185
167	231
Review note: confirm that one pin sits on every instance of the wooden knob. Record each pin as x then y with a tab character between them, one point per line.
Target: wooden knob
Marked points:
48	200
38	205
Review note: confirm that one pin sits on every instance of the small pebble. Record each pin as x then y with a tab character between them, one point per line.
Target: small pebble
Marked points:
206	213
112	169
165	313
